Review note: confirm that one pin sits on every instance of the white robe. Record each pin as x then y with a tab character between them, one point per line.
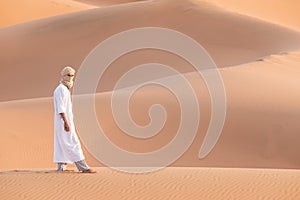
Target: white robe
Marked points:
67	147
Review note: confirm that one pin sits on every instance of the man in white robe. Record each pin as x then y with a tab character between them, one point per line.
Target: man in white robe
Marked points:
67	148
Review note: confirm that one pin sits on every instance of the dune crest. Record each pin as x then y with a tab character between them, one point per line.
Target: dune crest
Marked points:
285	13
15	12
101	3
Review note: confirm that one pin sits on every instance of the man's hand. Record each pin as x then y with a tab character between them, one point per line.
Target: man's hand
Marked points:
66	125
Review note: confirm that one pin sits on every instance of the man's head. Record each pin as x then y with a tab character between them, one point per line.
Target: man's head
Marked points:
67	76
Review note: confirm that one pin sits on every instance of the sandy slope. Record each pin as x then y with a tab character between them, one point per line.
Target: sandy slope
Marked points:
58	41
15	11
285	12
170	183
261	127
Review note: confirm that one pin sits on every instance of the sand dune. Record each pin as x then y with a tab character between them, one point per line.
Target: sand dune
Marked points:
259	113
258	61
66	40
285	12
261	127
170	183
264	114
14	11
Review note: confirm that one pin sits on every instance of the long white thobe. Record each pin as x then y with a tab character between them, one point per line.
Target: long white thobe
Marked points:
67	147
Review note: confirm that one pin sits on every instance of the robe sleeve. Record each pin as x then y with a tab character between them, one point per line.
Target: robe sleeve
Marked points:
61	101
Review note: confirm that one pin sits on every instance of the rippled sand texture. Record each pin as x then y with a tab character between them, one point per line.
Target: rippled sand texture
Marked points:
170	183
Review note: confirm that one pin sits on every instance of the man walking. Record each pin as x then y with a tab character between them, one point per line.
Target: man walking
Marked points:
67	148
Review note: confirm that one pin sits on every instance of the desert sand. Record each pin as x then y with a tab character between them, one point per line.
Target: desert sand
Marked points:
170	183
258	56
285	13
101	3
15	12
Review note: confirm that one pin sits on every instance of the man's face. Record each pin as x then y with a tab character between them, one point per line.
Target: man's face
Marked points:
70	77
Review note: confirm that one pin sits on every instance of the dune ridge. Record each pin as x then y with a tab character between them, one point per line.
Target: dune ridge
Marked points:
14	12
284	13
101	3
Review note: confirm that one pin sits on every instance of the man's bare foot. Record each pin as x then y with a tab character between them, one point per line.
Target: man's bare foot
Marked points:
92	171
